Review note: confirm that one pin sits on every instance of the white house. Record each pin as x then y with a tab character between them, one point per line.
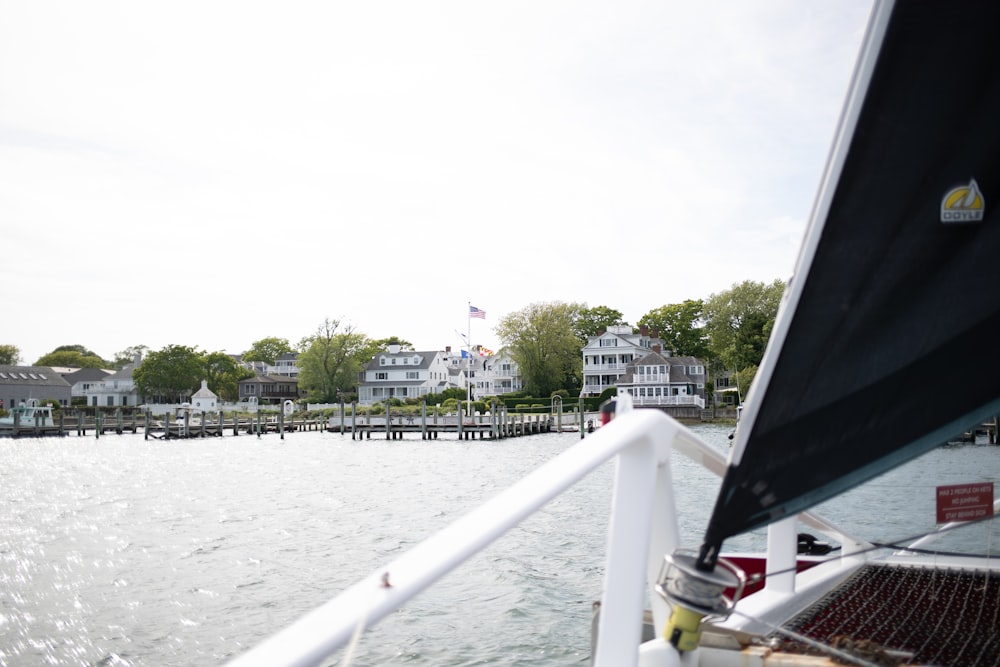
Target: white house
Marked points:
83	380
406	374
608	354
661	381
116	389
499	375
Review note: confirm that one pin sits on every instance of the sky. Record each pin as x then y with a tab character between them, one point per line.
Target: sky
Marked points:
211	173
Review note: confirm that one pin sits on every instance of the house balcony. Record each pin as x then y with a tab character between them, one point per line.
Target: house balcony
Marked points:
668	401
603	368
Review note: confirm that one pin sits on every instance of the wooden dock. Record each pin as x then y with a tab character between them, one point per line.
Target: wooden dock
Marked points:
212	425
482	428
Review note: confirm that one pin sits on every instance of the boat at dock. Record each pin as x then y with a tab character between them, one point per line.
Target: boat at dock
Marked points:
27	417
893	297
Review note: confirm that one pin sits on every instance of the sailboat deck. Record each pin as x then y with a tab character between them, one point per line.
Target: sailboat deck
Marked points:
893	614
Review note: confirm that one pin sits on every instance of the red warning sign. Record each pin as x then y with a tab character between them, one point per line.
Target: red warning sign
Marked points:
964	502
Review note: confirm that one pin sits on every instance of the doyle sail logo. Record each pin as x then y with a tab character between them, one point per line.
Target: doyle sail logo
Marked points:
963	204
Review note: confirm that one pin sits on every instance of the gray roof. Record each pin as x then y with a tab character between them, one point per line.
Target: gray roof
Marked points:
657	359
35	376
86	375
425	359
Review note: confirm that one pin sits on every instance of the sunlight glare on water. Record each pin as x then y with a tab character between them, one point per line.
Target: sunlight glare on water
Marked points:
122	551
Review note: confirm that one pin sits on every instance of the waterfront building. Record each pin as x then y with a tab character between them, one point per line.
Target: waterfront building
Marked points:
19	384
607	355
657	381
403	374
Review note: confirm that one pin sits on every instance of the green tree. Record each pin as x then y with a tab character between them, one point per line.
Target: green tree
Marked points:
268	350
10	355
542	341
223	374
74	356
591	320
681	327
171	374
738	322
330	360
128	356
383	344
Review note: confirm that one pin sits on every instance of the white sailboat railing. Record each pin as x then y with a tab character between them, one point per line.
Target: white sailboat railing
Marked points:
642	529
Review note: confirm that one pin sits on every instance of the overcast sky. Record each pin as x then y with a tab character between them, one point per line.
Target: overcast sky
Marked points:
210	173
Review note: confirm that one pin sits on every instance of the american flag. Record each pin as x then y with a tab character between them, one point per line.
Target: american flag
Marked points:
475	312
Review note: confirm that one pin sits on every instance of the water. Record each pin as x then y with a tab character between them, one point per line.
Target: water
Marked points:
121	551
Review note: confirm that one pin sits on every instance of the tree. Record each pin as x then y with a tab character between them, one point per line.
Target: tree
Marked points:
128	356
223	374
589	321
681	327
171	374
738	322
10	355
383	343
268	350
76	356
330	360
542	341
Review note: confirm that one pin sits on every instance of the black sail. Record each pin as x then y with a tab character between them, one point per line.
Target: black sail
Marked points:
888	340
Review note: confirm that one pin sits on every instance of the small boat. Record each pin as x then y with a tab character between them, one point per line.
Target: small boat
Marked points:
27	415
883	349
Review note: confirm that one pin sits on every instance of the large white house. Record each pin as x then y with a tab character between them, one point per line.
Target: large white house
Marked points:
607	355
404	374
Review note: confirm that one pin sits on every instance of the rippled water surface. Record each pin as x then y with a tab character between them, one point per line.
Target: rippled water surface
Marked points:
121	551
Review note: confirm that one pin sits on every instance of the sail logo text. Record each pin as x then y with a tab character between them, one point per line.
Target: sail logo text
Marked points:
964	203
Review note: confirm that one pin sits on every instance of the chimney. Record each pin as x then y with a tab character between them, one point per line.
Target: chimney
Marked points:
644	330
600	332
447	350
654	333
656	348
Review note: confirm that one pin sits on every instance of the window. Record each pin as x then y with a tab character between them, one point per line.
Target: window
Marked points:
412	375
393	362
381	376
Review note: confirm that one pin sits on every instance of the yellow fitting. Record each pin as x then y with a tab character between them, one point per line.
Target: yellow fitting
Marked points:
683	628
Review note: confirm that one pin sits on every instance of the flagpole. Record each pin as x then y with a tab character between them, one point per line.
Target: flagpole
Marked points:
468	365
